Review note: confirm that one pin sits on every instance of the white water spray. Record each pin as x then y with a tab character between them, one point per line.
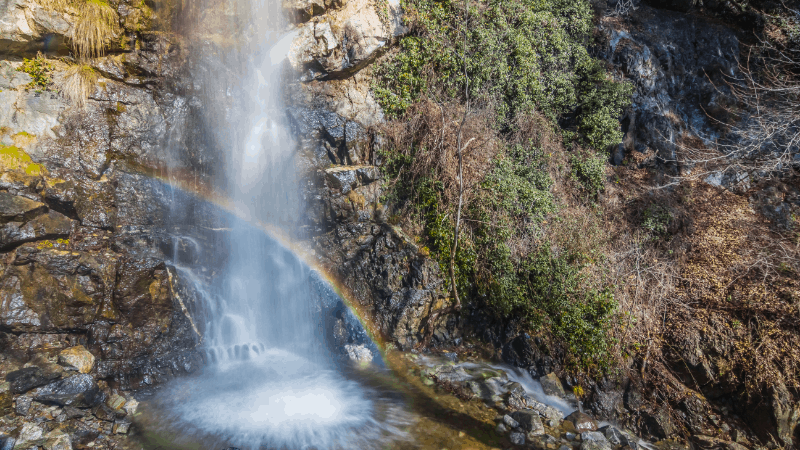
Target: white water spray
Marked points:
271	379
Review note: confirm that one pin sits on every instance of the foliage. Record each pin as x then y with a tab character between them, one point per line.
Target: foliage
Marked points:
39	69
655	219
522	56
589	170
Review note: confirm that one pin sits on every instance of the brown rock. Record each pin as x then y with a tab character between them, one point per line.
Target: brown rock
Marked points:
77	358
583	422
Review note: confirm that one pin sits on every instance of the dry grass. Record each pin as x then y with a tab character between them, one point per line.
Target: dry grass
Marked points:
97	24
76	83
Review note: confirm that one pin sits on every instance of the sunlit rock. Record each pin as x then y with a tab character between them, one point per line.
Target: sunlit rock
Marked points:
76	358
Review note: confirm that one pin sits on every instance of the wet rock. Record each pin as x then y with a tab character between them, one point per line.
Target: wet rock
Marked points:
78	390
107	414
23	405
6	401
582	422
529	421
358	353
551	385
76	358
14	208
594	440
71	412
614	436
451	374
487	389
116	402
121	427
510	422
23	380
31	435
517	438
7	442
131	406
546	411
58	440
52	225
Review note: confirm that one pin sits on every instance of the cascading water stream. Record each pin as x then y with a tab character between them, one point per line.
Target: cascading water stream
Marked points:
271	378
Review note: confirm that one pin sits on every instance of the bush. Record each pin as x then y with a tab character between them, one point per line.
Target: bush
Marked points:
656	219
589	170
39	69
522	56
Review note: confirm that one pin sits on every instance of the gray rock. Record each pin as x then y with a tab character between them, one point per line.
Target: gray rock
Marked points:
614	436
52	225
529	421
23	405
594	440
510	422
517	438
545	411
565	447
31	435
77	390
501	428
514	388
570	436
551	385
6	442
582	422
487	389
23	380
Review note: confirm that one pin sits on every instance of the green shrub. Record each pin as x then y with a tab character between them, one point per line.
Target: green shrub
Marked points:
39	69
589	170
522	55
656	219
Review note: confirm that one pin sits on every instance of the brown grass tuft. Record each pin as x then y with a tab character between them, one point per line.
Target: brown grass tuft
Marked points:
76	83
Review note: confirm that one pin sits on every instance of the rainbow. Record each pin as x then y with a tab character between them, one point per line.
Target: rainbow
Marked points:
188	183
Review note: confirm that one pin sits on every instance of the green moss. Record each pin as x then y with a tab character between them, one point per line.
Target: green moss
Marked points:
13	158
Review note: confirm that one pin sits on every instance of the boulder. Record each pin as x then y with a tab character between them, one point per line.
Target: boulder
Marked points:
23	380
583	422
529	421
614	436
76	358
14	208
52	225
31	435
594	440
510	422
517	438
26	27
78	390
551	385
451	374
23	405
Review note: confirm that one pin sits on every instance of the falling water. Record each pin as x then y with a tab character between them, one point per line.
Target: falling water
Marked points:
273	377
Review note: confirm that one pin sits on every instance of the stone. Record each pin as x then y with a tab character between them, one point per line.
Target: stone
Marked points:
14	208
76	358
517	438
121	427
6	402
551	385
77	390
614	436
514	388
6	442
529	421
58	440
23	380
130	406
565	447
594	440
487	389
451	374
51	225
570	436
546	411
23	405
358	353
107	414
510	422
116	402
30	436
501	428
583	422
72	412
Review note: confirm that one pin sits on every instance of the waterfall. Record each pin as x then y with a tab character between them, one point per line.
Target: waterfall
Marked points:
273	377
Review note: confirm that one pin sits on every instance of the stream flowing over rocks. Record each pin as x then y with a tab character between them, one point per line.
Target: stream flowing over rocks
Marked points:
106	210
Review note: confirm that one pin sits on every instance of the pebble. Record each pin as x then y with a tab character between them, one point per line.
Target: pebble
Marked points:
511	423
501	428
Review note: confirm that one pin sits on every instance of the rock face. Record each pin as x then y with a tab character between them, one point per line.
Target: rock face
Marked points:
678	64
